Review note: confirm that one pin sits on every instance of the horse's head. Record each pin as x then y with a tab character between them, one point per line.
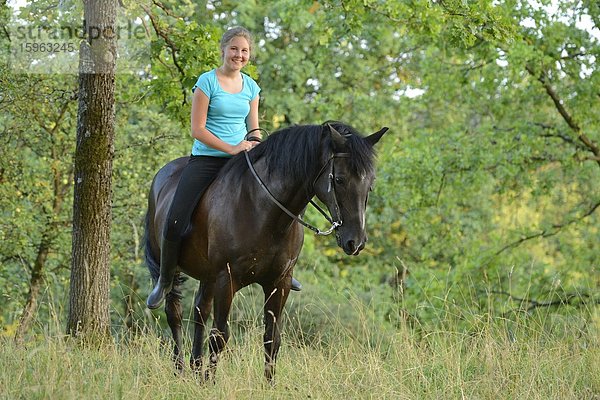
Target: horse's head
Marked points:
344	182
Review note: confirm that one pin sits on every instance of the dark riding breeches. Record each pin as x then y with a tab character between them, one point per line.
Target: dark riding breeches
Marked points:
197	175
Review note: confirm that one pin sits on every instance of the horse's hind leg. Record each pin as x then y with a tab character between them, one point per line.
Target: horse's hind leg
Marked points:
202	305
219	334
275	298
174	317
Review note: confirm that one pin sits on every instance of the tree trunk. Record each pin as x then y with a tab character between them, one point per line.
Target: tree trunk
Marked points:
90	266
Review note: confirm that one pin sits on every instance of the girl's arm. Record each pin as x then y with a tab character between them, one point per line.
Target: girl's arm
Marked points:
252	118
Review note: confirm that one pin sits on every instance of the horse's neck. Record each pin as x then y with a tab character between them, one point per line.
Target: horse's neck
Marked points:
292	195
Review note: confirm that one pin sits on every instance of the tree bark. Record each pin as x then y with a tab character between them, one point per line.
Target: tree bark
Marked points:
90	265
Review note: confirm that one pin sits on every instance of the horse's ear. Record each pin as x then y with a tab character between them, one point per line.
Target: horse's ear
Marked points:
336	137
374	138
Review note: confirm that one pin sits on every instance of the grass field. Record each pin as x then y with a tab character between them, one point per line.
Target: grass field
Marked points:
499	360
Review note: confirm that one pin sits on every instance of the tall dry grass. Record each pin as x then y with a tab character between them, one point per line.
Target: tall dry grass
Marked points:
532	357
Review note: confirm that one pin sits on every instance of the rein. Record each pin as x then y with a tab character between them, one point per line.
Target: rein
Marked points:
330	188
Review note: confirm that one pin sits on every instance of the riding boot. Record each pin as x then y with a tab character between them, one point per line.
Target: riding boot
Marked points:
297	286
169	256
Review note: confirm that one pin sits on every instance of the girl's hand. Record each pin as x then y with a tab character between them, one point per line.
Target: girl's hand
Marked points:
244	145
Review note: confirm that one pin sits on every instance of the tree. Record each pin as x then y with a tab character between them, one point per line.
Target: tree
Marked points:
90	271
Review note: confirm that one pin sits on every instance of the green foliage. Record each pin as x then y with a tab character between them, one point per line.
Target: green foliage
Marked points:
486	201
36	173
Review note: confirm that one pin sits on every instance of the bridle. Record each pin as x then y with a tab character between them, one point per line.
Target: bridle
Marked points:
330	189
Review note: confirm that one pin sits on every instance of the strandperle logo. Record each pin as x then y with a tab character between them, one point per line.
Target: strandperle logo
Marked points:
52	46
59	32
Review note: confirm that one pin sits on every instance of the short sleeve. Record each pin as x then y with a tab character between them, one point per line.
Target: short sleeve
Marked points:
204	84
254	88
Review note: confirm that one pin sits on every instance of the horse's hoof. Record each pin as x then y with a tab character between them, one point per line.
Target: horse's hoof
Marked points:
209	377
270	374
178	368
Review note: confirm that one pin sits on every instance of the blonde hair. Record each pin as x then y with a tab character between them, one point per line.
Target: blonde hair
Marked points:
234	32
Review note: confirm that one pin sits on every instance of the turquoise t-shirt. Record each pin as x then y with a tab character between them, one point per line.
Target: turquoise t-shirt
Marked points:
227	112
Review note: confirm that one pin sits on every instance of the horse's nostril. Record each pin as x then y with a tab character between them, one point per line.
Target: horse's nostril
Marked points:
350	245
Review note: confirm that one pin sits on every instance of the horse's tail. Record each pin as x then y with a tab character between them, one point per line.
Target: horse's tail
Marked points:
151	262
154	265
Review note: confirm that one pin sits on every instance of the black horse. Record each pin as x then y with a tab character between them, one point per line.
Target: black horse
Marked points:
245	228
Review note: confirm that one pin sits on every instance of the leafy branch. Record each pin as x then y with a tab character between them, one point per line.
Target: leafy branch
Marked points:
560	107
547	233
171	45
527	304
543	78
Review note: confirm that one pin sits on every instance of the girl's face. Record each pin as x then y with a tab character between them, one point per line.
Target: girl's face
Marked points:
236	53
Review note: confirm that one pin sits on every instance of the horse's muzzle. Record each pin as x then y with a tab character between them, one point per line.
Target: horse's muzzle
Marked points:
352	248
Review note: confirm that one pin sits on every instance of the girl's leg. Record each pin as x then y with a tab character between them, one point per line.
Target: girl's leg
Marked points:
197	175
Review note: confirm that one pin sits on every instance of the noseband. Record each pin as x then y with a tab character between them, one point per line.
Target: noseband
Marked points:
330	189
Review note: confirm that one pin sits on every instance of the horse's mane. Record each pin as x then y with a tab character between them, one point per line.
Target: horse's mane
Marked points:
294	153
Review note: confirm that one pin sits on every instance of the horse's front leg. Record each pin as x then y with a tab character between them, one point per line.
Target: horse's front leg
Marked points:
224	290
174	317
275	298
202	305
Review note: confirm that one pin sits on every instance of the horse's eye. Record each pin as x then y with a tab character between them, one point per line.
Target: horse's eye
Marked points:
339	180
